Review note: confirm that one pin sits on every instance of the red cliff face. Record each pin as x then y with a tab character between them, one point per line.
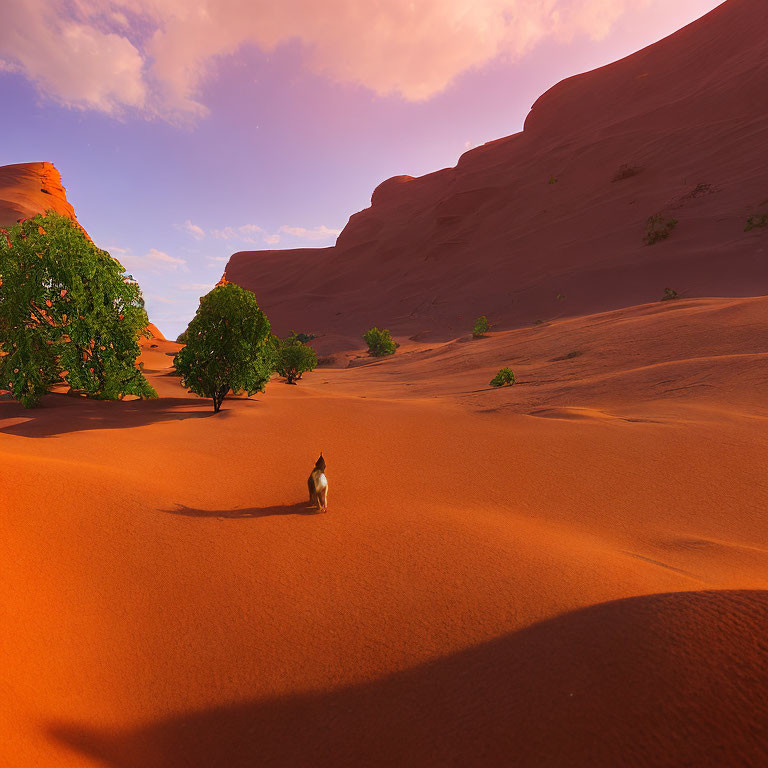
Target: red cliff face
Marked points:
552	221
27	189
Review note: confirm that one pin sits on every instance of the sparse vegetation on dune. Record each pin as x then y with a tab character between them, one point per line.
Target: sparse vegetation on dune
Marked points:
756	222
504	378
481	326
68	314
380	342
658	228
228	346
670	295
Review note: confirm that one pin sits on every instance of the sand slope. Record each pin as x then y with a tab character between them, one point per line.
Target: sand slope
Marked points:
678	130
571	571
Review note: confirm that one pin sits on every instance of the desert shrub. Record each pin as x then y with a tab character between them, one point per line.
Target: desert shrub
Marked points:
379	342
658	228
670	295
228	346
553	179
481	326
626	172
294	358
560	297
504	378
303	338
753	222
68	312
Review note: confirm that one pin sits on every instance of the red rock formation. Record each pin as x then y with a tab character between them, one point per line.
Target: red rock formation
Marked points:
27	189
551	221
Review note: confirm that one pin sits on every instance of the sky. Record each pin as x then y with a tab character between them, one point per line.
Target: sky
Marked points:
187	130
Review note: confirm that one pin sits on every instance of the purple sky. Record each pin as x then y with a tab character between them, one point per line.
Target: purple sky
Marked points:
185	131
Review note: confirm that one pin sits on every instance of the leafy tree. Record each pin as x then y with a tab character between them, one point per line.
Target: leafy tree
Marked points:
379	342
182	337
228	346
503	378
481	326
68	312
294	358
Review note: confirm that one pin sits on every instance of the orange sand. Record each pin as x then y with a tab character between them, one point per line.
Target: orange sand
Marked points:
572	571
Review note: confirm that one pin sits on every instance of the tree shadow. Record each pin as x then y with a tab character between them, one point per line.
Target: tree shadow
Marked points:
658	680
249	513
59	414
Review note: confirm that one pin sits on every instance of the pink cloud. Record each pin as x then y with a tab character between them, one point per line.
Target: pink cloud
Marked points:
155	54
318	233
77	64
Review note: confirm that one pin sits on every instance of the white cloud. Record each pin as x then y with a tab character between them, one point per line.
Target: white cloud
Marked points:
155	55
204	287
272	239
318	233
197	232
153	261
245	234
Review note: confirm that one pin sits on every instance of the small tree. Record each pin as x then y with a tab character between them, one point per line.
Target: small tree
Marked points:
67	312
379	342
504	378
294	358
481	326
228	346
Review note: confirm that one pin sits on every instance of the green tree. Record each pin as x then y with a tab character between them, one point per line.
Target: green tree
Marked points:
504	378
379	342
481	326
294	358
229	346
68	312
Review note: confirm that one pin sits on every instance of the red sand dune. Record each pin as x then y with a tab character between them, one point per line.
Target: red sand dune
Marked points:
572	571
27	189
493	236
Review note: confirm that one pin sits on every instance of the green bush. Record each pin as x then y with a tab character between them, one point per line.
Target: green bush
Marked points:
228	346
753	222
68	312
670	295
294	358
304	338
504	378
658	228
481	326
379	342
182	338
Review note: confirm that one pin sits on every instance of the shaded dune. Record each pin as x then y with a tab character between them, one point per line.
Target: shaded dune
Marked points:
659	680
677	129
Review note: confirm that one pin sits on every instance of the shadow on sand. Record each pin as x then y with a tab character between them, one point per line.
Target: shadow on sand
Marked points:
60	414
659	680
249	513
